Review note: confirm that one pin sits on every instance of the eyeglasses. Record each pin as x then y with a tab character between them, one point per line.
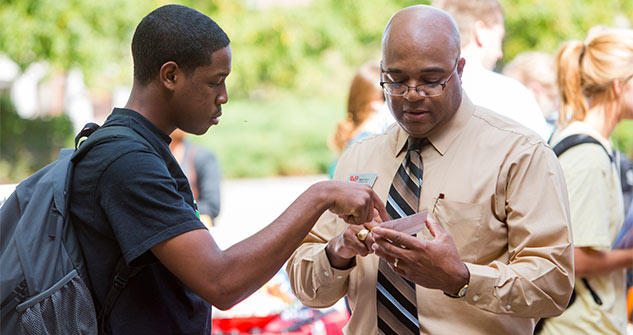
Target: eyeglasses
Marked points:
425	90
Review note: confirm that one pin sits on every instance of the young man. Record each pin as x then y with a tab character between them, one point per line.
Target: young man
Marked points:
132	201
497	253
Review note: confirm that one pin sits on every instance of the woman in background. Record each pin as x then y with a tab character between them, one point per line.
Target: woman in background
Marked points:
596	88
365	111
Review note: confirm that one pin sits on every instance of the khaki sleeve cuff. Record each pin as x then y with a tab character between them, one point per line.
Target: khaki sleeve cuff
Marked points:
324	274
481	287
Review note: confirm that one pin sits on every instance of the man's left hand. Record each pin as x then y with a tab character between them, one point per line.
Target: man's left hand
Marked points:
432	263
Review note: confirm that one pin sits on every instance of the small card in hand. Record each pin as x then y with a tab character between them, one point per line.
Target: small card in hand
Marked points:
410	225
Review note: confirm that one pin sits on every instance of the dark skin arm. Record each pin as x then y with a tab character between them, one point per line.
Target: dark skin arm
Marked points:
225	277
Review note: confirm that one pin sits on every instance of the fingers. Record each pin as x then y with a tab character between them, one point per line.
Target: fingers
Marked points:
395	237
384	247
380	207
434	228
351	241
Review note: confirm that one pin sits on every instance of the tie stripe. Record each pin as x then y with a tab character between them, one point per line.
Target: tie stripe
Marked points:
395	295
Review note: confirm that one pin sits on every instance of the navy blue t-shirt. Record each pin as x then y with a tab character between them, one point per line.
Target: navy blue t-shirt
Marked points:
127	197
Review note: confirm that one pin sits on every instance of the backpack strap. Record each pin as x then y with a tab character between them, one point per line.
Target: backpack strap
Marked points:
106	133
123	272
577	139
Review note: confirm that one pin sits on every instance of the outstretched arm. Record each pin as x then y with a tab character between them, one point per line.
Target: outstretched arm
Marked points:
225	277
591	262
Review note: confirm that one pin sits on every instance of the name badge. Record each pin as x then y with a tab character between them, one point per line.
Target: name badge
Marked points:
364	178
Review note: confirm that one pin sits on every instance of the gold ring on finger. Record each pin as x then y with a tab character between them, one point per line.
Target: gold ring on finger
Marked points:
362	235
395	262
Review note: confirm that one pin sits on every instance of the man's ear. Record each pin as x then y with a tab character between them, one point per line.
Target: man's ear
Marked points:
477	29
169	75
460	66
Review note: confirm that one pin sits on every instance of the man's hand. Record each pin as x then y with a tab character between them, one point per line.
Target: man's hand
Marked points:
353	202
342	248
433	264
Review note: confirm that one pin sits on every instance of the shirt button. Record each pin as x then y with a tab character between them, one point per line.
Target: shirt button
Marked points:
476	298
339	277
508	307
326	273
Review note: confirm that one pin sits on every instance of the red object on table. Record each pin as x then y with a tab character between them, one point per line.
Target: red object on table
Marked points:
244	325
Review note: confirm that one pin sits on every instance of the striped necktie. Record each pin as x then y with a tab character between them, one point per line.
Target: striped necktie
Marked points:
396	302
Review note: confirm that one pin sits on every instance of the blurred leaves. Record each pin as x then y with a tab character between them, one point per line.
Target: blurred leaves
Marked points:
306	48
30	144
292	63
544	25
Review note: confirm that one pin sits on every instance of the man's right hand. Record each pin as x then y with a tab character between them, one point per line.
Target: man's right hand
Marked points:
343	248
354	203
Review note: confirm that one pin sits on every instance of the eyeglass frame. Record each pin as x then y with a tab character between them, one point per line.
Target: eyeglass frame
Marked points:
443	84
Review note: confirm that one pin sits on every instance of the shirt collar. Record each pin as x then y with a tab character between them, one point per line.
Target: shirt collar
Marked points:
122	113
441	138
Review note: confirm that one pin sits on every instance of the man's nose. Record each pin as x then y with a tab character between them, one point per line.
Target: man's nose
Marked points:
412	94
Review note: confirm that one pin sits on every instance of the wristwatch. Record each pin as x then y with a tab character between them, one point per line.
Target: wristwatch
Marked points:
460	294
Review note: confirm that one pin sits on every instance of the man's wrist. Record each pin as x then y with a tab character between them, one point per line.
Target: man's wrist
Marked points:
336	261
463	285
323	196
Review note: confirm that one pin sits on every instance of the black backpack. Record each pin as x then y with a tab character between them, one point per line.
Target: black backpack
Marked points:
44	287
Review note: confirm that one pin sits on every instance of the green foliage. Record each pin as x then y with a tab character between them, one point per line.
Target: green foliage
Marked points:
90	34
263	138
545	24
623	137
280	54
28	145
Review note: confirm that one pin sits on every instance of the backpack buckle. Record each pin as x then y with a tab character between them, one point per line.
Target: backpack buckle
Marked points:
120	281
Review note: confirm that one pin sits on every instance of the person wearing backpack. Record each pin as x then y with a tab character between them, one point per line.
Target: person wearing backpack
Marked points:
596	86
130	199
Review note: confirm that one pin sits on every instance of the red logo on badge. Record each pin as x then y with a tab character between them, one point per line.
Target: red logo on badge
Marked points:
353	178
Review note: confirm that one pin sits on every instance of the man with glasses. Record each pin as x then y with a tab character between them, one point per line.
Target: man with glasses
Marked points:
495	255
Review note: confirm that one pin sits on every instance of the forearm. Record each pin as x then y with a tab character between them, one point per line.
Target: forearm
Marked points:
257	258
590	262
531	286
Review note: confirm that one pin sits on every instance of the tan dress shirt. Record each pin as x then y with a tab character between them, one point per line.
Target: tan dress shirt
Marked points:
505	204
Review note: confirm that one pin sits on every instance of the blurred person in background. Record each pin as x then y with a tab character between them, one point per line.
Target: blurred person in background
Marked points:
203	172
481	27
365	111
536	70
596	89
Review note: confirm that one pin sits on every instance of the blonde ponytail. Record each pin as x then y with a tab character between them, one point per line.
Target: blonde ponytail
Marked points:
586	71
569	77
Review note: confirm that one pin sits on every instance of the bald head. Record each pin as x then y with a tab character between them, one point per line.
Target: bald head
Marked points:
415	26
420	49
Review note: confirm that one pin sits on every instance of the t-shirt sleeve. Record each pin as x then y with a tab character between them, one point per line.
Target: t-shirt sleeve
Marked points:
140	199
586	169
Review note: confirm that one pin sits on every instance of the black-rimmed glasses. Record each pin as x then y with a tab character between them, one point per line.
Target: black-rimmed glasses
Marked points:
425	90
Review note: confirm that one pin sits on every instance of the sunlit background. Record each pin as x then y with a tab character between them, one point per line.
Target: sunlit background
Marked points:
64	63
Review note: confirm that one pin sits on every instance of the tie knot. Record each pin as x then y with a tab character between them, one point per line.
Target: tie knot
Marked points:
416	143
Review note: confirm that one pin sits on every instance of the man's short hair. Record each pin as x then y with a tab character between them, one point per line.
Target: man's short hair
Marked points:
467	12
174	33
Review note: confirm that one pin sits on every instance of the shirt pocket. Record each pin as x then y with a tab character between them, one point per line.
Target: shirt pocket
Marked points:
463	222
